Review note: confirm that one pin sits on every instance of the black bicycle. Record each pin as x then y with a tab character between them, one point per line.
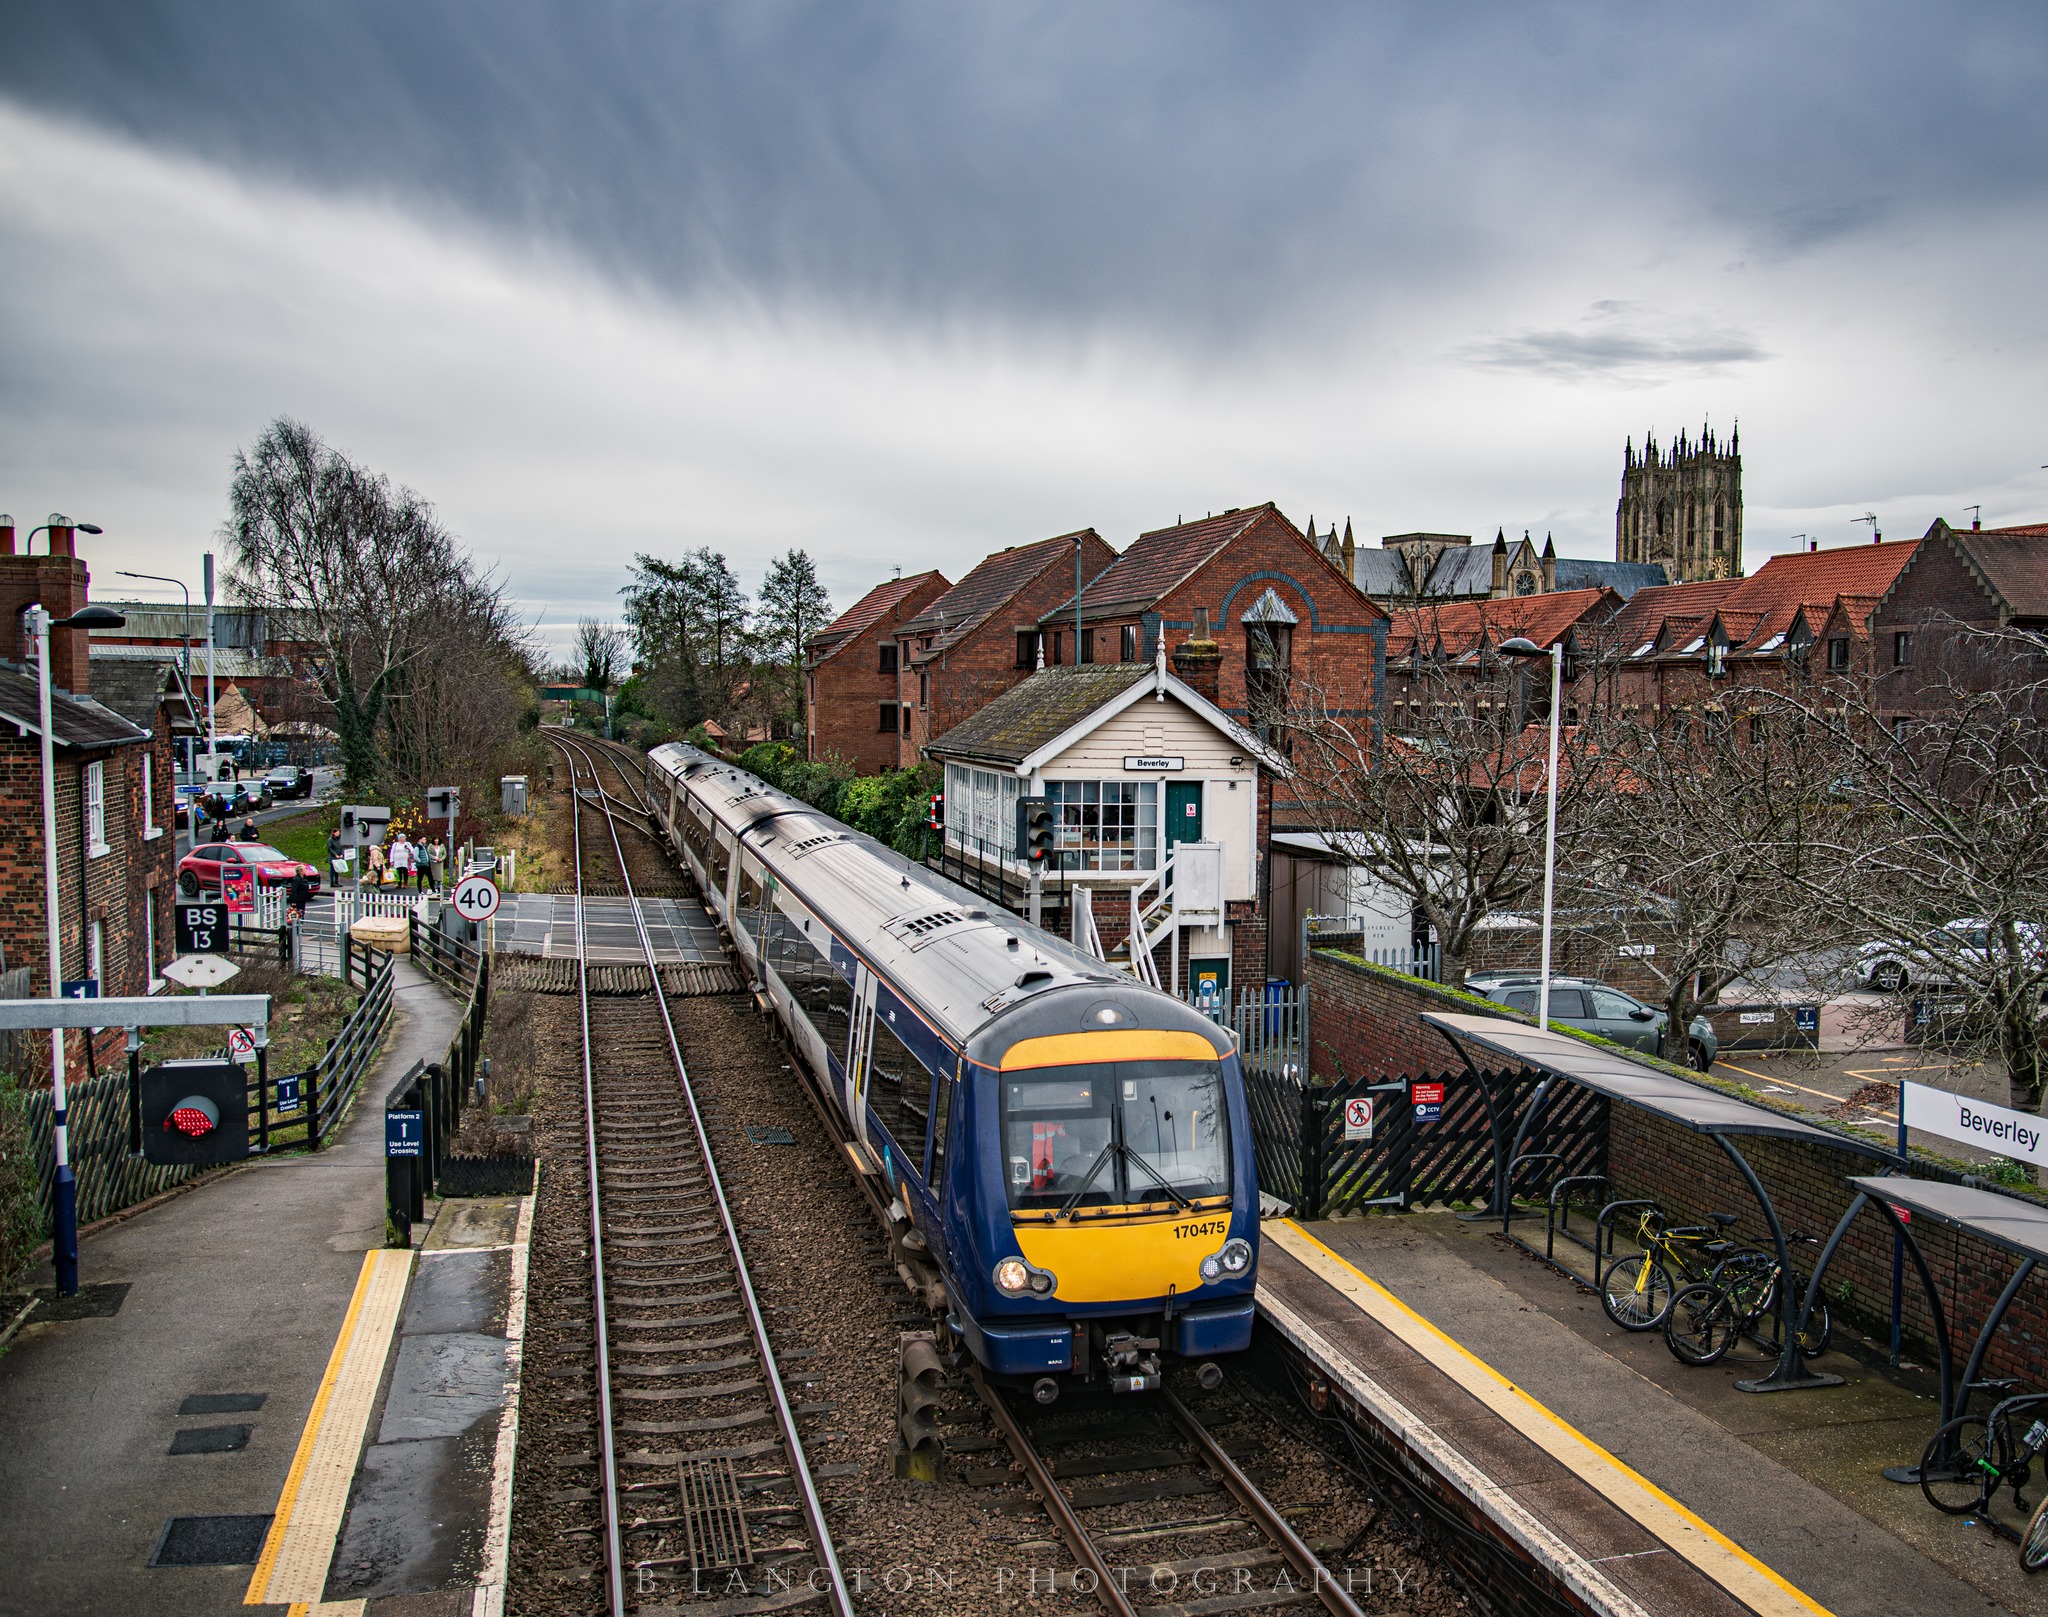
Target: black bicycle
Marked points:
1967	1461
1705	1320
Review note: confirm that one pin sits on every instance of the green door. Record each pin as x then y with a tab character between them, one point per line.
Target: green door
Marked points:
1183	812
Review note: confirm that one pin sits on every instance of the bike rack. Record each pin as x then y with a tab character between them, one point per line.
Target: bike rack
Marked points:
1553	1227
1603	1234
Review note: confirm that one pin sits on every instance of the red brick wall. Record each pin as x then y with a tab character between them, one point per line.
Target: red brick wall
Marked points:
1364	1022
849	687
981	666
117	884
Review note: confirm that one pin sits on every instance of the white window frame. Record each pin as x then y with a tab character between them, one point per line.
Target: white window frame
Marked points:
150	977
150	829
95	806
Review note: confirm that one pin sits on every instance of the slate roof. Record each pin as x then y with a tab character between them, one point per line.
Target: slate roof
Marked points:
1039	709
75	721
864	614
139	688
994	580
2014	562
1623	577
1156	563
1457	627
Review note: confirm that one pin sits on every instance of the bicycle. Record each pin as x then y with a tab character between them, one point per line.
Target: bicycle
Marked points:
1970	1458
1705	1320
1637	1290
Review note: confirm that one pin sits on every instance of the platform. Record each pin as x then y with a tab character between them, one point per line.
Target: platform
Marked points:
188	1399
1622	1489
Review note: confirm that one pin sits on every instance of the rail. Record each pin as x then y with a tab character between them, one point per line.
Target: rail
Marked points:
810	1505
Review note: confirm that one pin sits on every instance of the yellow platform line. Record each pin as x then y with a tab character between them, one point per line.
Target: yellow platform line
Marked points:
1716	1555
293	1566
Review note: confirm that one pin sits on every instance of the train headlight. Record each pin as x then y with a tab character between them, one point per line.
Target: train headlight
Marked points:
1014	1277
1236	1256
1212	1267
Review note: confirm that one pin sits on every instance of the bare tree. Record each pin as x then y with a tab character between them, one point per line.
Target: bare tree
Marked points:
1947	770
600	654
1447	807
1718	844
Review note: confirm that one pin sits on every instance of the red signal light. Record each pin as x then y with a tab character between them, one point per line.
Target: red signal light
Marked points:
194	1116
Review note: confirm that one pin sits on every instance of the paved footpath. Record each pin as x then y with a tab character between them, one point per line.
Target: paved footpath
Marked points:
237	1291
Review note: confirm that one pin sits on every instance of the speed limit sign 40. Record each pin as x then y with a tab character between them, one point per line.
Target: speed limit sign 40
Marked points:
475	898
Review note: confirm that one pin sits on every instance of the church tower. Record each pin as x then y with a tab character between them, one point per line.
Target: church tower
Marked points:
1682	507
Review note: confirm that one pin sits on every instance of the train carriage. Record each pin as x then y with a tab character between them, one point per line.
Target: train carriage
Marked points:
1068	1151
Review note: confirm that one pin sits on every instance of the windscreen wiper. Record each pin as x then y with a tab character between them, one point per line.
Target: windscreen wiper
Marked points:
1157	1177
1080	1190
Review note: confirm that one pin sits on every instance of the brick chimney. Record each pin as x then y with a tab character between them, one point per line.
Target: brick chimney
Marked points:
1198	660
57	581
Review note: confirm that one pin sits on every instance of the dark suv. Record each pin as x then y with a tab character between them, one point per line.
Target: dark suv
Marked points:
1582	1003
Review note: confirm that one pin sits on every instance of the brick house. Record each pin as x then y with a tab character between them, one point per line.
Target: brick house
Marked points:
1142	770
1432	649
1958	584
112	728
852	693
1247	609
1806	613
981	637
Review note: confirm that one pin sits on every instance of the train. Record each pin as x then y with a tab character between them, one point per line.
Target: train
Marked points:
1067	1152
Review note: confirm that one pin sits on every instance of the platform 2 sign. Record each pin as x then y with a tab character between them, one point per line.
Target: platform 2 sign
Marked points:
404	1133
202	928
1358	1118
1428	1100
290	1091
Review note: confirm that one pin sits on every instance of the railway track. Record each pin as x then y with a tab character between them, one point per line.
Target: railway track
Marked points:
702	1475
1160	1514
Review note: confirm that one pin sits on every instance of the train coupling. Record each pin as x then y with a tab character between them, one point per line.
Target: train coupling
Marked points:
1133	1362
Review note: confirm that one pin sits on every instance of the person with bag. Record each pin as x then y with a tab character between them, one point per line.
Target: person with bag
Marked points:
337	859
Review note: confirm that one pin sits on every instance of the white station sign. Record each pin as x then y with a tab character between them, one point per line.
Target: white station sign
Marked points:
1976	1122
475	898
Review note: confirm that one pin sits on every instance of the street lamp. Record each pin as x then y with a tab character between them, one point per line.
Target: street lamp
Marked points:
185	633
1521	646
64	1234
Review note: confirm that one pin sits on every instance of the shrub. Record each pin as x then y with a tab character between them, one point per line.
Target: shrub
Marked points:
21	1210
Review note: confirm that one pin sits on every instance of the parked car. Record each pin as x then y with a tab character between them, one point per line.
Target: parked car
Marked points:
1582	1003
1894	967
199	871
225	802
289	780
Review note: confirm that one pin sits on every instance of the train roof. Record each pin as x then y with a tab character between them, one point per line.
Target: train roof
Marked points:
962	960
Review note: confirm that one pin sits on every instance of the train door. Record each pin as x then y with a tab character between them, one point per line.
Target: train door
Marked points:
860	1045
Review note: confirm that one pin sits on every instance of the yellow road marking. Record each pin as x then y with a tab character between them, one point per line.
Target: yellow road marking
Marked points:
1706	1547
293	1566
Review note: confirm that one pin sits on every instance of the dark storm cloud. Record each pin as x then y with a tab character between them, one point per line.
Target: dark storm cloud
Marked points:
1224	166
1620	341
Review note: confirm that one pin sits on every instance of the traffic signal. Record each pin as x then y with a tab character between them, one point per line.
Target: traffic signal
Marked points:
937	820
195	1113
1035	828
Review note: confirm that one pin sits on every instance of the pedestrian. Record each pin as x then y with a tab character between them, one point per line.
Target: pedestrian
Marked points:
298	893
248	831
437	857
401	860
373	864
337	858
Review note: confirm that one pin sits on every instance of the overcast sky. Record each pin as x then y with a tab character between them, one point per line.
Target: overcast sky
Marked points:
905	283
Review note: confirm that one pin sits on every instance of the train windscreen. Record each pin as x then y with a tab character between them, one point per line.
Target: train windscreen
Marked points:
1116	1133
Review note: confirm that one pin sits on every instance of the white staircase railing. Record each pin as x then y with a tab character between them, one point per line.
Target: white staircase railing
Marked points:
1086	937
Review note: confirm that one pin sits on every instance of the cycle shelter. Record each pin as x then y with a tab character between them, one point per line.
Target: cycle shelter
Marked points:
1691	1106
2006	1222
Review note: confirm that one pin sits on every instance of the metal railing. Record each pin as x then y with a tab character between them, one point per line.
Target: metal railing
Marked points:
424	1111
331	1084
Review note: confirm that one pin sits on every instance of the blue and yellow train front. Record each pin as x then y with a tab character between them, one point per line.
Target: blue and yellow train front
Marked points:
1112	1222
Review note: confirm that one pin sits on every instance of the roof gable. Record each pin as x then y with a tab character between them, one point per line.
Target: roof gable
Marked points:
1161	560
997	579
865	613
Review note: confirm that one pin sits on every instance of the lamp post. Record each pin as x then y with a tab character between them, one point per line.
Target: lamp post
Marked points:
1521	646
64	1231
185	632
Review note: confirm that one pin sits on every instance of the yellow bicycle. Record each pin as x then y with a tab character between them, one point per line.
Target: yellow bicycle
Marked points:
1636	1289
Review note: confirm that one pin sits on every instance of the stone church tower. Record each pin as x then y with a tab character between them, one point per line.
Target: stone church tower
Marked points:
1682	508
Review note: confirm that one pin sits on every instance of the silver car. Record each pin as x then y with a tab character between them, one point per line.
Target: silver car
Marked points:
1582	1003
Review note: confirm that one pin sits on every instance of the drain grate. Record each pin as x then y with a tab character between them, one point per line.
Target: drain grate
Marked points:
92	1302
210	1541
210	1440
713	1518
768	1134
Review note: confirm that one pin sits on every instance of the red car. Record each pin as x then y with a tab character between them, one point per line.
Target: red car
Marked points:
200	869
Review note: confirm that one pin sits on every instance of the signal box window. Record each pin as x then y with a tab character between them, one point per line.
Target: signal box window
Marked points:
888	657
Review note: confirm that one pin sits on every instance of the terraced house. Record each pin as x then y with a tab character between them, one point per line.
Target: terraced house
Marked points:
853	697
